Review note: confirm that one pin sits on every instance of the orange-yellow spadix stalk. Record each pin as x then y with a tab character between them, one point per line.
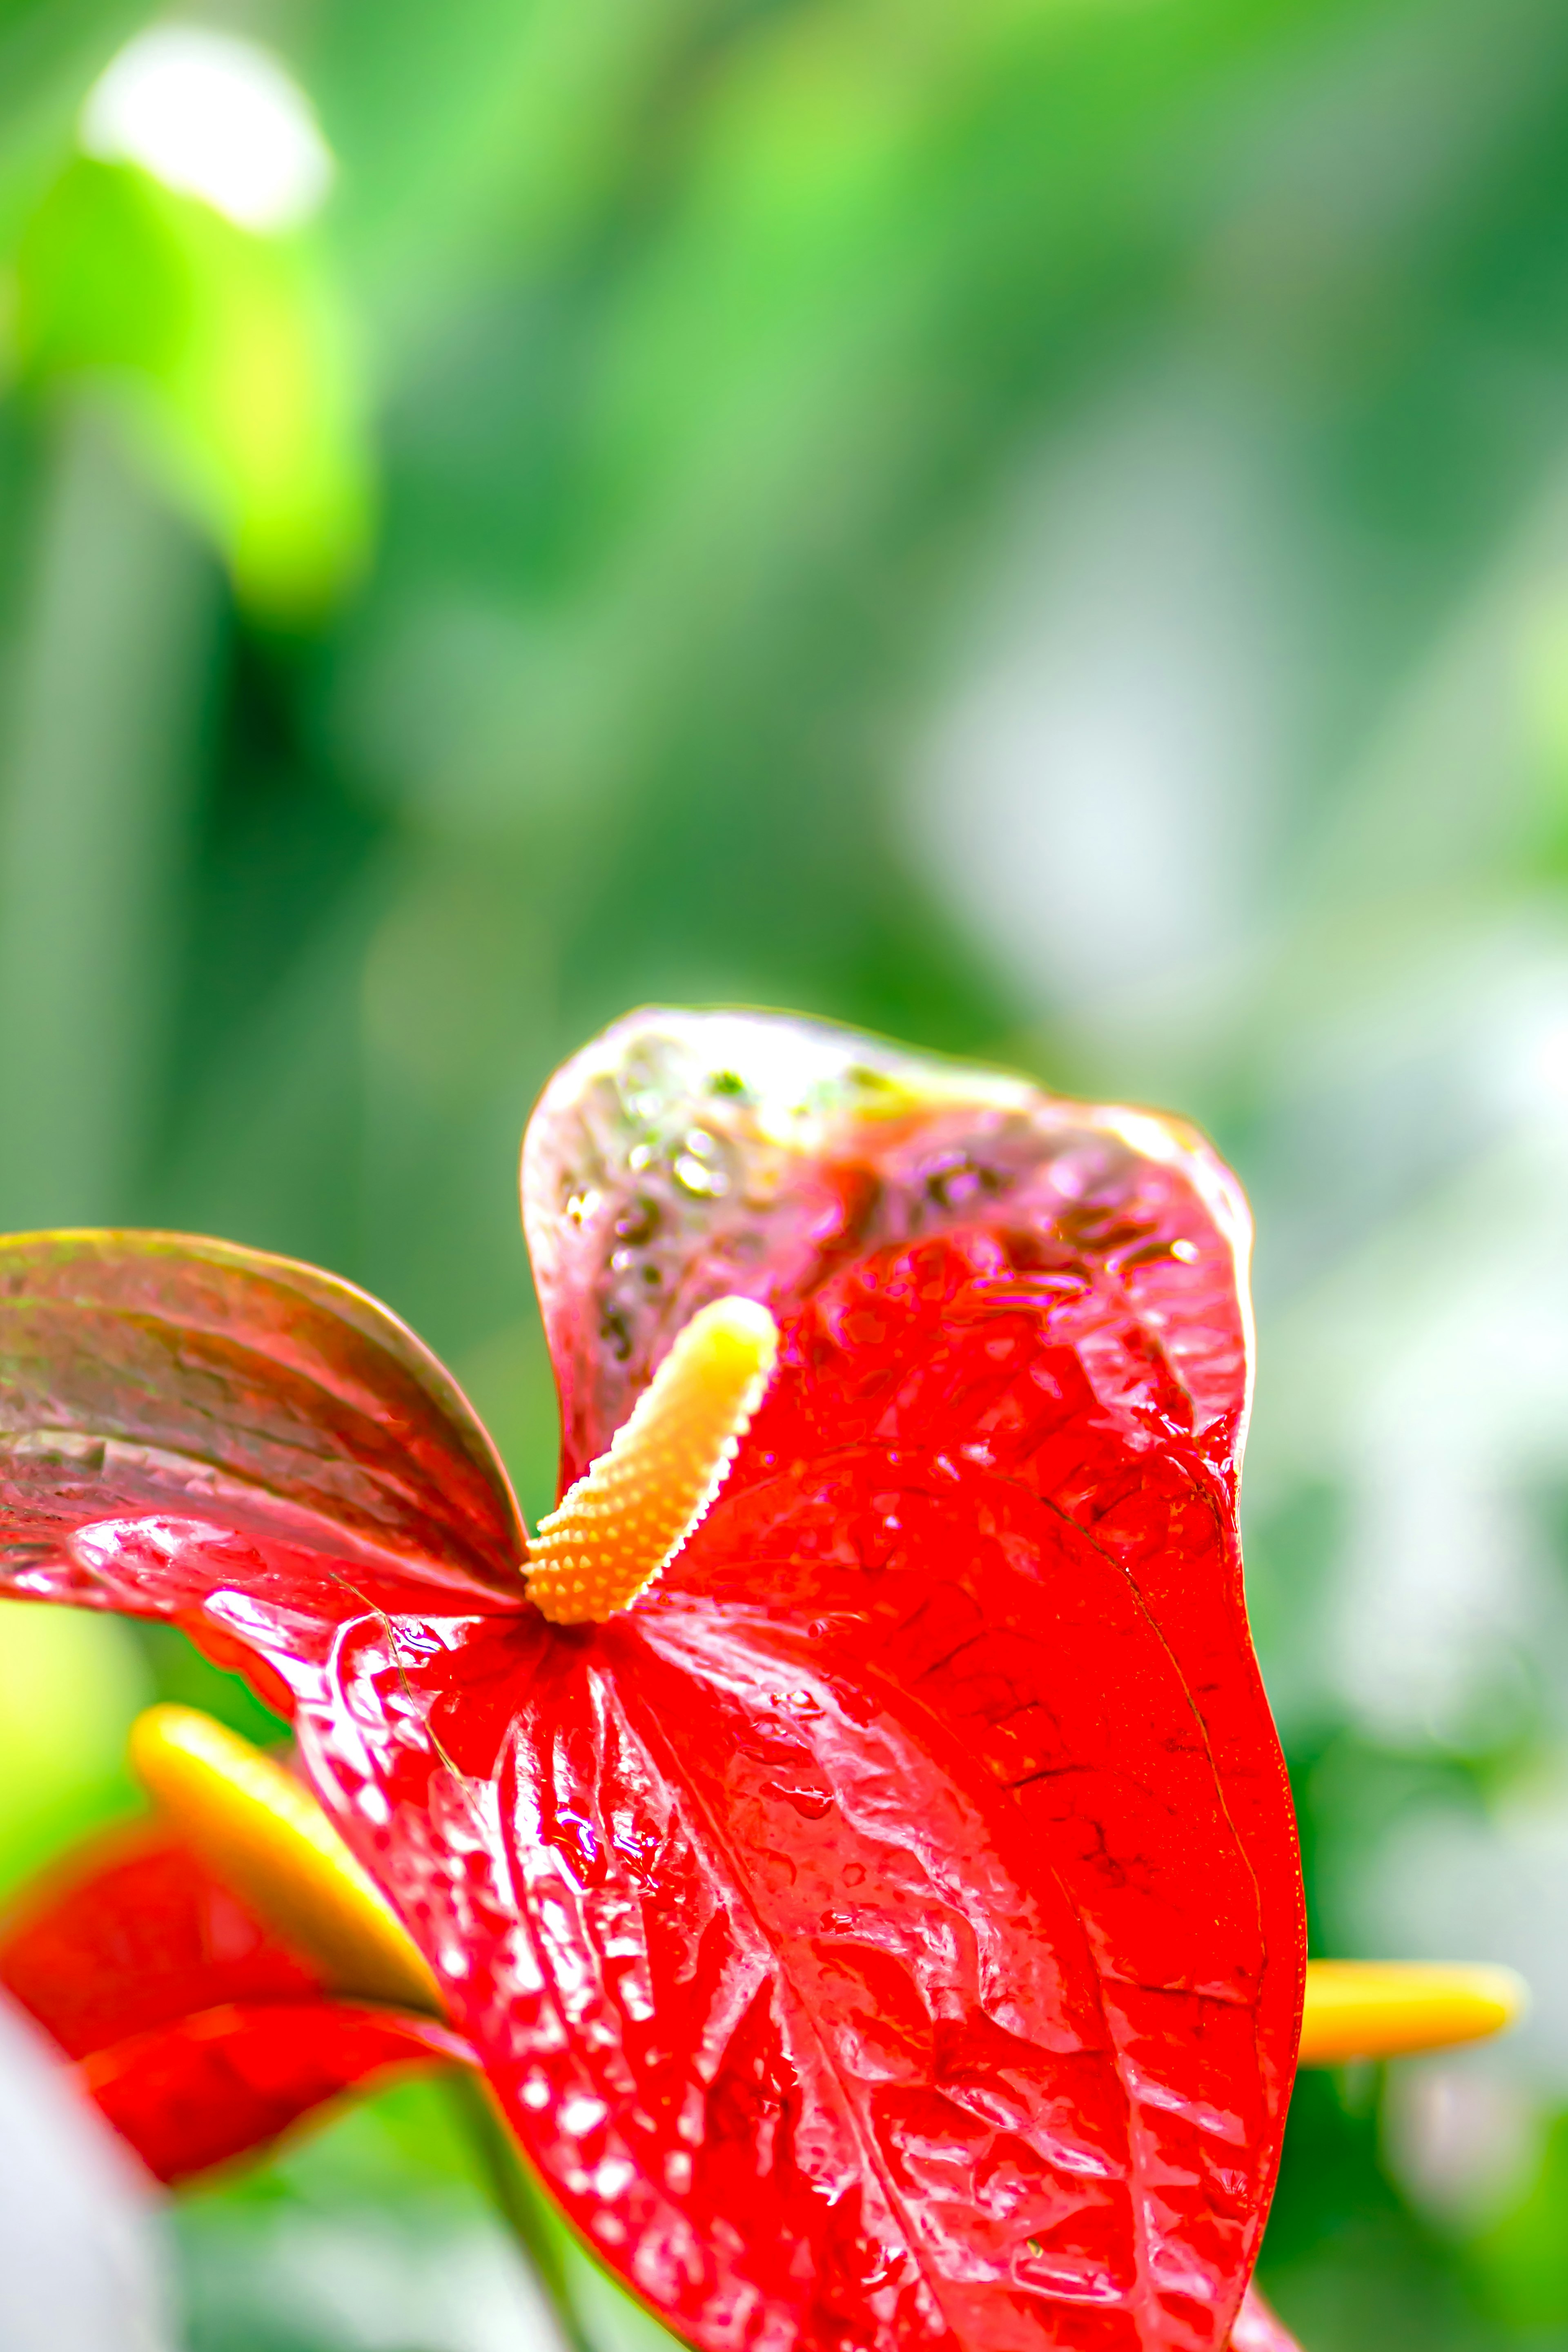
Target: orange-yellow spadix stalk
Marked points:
1390	2009
264	1834
632	1510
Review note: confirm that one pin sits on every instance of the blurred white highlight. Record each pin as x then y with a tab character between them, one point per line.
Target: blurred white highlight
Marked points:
80	2238
215	117
1464	2139
1094	800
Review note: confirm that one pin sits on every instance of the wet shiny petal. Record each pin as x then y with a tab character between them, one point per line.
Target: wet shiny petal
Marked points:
156	1380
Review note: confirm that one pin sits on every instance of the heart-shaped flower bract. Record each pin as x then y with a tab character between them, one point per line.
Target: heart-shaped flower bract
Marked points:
887	1932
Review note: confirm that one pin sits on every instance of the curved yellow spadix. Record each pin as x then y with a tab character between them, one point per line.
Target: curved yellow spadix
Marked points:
632	1510
1390	2009
265	1836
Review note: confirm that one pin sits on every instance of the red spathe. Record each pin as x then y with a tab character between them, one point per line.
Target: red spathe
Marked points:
888	1933
196	2032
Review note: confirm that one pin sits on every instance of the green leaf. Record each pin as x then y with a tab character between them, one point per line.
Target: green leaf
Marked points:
50	51
232	358
70	1686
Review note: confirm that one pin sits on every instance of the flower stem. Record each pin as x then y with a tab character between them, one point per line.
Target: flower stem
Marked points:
521	2203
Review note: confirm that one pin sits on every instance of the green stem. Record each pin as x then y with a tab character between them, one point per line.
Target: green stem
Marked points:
518	2199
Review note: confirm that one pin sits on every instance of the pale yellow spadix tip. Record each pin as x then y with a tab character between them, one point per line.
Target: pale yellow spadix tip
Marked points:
632	1510
1391	2008
265	1835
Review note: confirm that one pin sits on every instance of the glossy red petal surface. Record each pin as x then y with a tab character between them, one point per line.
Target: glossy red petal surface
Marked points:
205	2089
888	1934
156	1377
991	1502
683	1156
198	2032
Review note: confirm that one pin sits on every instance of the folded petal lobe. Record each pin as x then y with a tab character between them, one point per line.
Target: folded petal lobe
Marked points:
159	1378
682	1156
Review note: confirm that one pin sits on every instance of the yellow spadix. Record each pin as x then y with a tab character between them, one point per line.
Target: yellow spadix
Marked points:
265	1836
632	1510
1390	2009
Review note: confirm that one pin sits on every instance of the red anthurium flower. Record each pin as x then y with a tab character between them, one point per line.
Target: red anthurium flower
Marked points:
886	1932
199	2035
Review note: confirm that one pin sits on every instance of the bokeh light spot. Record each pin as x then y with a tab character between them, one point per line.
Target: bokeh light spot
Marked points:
215	117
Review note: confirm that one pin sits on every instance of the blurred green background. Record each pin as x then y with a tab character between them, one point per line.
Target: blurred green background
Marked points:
1039	528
